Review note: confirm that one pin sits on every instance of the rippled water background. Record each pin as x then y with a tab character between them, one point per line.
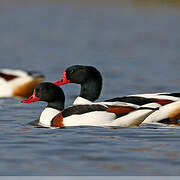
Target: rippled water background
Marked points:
136	46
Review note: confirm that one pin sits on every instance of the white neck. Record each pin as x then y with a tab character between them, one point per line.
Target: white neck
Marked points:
47	115
80	100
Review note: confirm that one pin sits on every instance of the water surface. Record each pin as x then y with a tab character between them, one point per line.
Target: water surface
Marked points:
134	45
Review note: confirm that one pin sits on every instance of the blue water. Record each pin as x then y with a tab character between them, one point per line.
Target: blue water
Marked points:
136	47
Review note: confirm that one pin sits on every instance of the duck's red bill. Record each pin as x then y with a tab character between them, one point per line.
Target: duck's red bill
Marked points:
31	99
64	80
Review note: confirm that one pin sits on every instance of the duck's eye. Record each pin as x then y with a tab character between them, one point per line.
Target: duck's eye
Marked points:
71	71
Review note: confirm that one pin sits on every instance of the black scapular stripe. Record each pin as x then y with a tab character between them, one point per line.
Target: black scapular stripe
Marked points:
132	99
149	108
81	109
7	77
172	94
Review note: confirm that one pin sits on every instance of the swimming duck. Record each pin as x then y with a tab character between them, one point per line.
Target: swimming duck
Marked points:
55	115
18	83
90	80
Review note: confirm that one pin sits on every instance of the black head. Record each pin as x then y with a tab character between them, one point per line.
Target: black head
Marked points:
80	74
88	77
49	93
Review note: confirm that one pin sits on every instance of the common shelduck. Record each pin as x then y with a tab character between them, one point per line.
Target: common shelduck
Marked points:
54	115
18	83
90	80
